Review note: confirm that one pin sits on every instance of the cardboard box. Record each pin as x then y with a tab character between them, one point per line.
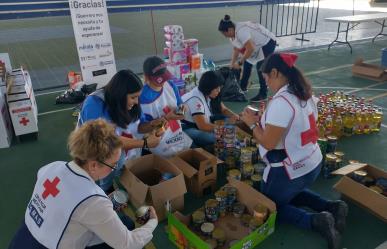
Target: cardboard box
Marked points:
199	168
369	71
374	202
6	132
141	179
21	102
181	235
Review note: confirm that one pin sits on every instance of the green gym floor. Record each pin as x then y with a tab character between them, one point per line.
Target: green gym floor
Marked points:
327	70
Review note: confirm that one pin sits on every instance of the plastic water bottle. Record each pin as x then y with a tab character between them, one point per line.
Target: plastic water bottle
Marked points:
211	65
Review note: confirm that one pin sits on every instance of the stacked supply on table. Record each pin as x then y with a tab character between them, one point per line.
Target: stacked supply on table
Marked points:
21	102
183	58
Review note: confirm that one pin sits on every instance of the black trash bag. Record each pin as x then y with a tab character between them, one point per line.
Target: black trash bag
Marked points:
70	96
231	90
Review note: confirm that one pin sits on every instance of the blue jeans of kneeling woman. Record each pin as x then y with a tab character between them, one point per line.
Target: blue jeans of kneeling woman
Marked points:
289	195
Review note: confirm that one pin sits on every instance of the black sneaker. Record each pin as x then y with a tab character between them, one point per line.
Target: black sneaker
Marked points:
324	223
260	97
339	210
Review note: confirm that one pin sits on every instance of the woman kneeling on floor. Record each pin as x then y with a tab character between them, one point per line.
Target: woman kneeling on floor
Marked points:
68	209
287	137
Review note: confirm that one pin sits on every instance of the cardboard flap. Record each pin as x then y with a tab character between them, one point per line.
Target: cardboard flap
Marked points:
364	196
251	197
187	170
137	190
169	190
349	168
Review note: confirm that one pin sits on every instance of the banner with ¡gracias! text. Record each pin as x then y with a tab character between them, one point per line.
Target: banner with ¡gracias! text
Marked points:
93	39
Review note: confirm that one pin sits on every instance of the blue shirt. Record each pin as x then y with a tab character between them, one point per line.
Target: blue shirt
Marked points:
93	108
148	95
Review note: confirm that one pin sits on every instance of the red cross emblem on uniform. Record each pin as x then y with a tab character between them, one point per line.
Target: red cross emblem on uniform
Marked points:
198	106
311	135
172	123
24	121
128	135
50	188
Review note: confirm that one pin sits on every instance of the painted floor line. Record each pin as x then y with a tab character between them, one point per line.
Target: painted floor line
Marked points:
56	111
366	87
384	126
48	93
377	96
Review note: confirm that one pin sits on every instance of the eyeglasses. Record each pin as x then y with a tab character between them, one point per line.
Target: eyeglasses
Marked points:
108	165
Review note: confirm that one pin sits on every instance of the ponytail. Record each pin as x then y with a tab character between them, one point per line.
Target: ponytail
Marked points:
298	85
225	24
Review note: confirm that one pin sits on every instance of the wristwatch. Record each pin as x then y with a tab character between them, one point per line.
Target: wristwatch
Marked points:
252	127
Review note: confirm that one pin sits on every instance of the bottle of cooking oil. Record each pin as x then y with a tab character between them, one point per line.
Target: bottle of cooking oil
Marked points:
348	123
337	125
358	128
321	127
366	122
328	125
377	118
371	121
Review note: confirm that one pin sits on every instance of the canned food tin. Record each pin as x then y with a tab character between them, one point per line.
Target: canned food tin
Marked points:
255	223
256	179
248	182
259	168
245	219
339	154
332	144
369	181
339	163
323	143
221	197
207	228
359	175
198	218
212	210
143	215
220	236
238	209
180	110
231	196
234	174
376	189
260	212
247	171
330	162
212	243
119	198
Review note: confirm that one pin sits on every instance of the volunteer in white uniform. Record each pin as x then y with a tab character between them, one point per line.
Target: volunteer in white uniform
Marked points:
203	107
255	43
159	101
287	136
68	210
117	103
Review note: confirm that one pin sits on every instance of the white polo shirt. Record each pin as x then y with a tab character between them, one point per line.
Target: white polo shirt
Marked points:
197	105
255	32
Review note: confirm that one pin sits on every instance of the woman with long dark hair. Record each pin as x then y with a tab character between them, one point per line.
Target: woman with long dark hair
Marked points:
203	104
118	103
287	136
255	43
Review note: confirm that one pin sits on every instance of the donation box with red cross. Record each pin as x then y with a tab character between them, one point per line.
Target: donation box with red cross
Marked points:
21	102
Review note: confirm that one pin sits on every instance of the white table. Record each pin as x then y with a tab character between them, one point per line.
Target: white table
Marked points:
353	21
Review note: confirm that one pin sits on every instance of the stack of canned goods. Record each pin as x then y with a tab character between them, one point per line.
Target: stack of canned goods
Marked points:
219	145
332	159
221	197
212	210
231	196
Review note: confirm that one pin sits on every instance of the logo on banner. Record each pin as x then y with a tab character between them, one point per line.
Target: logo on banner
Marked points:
104	63
86	47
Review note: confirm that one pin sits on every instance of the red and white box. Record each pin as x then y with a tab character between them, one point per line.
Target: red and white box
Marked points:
22	104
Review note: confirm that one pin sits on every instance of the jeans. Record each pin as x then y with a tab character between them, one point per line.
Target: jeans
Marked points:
200	138
289	195
106	183
268	49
